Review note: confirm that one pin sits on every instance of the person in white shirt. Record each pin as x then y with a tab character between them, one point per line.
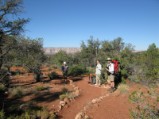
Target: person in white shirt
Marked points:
110	71
98	73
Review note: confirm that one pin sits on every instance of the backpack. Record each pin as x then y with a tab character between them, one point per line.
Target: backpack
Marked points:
116	66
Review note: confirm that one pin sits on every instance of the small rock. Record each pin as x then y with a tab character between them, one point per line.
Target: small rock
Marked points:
80	115
86	117
62	103
66	100
94	101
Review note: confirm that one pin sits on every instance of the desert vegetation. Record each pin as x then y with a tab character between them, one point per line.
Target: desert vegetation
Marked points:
29	77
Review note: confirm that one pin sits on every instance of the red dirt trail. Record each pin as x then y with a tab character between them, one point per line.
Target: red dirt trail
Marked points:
115	106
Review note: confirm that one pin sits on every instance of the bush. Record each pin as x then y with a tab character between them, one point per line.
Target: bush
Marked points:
91	70
123	88
63	96
103	77
43	114
40	88
77	70
2	88
124	73
17	72
146	105
34	114
53	75
37	75
2	114
4	77
64	90
17	92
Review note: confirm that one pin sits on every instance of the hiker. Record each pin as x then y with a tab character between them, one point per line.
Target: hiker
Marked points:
98	73
110	72
64	69
117	73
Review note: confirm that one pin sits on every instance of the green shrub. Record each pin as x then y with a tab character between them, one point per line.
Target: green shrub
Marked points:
2	88
123	80
53	116
2	114
4	76
63	96
91	69
123	88
65	93
37	75
64	90
43	114
53	75
146	105
17	92
40	88
76	70
124	73
17	72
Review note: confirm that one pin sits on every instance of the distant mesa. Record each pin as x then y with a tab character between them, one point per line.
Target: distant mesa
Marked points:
70	50
54	50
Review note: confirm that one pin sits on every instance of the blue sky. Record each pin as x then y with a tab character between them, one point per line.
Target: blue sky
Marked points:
65	23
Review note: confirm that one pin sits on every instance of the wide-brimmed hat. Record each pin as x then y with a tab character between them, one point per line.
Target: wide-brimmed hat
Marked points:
109	59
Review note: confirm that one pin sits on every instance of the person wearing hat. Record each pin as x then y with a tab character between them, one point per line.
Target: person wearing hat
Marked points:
110	71
64	69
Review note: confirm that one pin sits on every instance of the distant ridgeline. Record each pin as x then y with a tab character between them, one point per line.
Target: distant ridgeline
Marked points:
69	50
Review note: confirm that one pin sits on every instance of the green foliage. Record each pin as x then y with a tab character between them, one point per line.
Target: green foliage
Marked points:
37	74
144	66
136	97
2	114
9	27
17	72
44	114
63	96
89	52
103	77
91	70
59	58
40	88
64	90
123	88
4	77
28	110
123	80
32	48
76	70
124	73
29	53
146	105
53	75
16	92
2	88
152	62
35	114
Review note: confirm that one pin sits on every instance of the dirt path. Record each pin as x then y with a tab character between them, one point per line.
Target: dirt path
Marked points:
114	106
87	93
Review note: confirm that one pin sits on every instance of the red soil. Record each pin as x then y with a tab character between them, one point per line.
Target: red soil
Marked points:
115	106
